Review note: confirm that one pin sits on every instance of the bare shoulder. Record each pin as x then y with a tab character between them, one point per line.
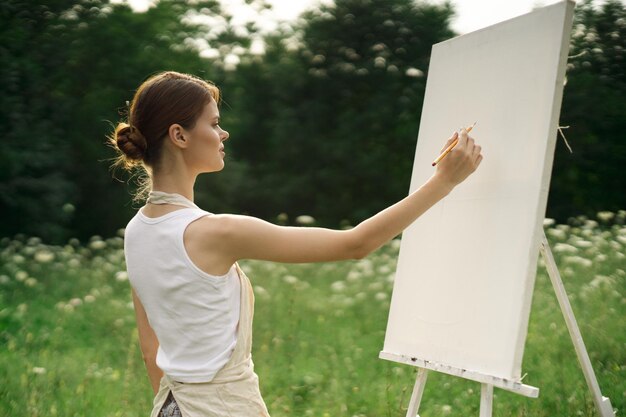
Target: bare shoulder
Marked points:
204	243
214	227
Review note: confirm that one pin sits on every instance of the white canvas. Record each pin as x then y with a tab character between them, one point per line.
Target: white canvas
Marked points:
466	268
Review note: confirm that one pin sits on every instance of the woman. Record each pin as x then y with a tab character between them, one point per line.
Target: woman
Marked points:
193	303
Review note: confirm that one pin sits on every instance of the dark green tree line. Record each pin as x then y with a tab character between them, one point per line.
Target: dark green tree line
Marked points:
593	178
66	68
324	123
329	128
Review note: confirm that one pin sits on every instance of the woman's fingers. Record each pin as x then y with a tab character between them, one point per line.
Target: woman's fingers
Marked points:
477	156
454	136
463	138
478	161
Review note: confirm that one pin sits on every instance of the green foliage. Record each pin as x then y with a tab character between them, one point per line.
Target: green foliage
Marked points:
69	346
66	68
592	177
329	125
324	123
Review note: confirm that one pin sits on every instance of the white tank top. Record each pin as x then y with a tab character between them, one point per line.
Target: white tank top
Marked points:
194	314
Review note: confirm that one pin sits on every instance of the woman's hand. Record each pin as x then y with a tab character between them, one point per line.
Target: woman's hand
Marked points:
462	160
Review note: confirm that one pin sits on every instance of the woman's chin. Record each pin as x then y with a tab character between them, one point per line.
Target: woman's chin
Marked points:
215	168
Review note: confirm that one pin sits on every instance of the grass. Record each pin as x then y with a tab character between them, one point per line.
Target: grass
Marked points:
69	347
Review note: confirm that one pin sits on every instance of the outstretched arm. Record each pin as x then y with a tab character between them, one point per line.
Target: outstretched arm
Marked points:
244	237
148	343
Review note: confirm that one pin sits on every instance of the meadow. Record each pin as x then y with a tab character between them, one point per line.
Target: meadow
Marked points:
69	346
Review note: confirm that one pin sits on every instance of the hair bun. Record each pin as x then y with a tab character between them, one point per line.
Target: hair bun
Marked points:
130	141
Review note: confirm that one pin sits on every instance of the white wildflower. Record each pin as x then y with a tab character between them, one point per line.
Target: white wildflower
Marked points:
600	257
353	276
90	298
68	208
75	302
384	269
381	296
121	276
366	266
282	218
446	409
39	370
97	244
577	260
590	224
414	72
4	279
565	248
30	282
21	276
606	216
583	243
601	280
261	292
397	370
44	256
290	279
547	222
305	220
338	286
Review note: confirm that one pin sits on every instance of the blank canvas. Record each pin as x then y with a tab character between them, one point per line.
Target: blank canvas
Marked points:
466	268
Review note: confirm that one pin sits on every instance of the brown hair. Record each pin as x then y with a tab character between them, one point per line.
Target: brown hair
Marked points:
163	99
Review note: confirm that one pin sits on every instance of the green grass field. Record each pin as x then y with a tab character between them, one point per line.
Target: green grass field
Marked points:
69	347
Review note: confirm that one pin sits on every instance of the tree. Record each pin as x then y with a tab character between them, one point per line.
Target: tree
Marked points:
66	68
592	177
330	114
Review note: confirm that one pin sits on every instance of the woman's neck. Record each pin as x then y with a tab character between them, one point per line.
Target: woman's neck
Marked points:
174	184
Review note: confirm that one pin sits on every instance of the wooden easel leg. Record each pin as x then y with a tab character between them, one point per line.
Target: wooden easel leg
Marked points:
486	400
603	404
418	390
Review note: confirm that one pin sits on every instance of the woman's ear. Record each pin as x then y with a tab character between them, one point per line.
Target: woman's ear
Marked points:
176	134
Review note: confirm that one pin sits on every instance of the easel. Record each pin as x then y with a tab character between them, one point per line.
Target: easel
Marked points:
603	404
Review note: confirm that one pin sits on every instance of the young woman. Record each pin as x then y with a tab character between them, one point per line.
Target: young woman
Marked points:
193	304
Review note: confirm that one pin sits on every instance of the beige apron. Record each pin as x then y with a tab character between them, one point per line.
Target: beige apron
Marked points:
234	391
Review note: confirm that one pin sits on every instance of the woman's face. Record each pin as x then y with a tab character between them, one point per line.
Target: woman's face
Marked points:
205	152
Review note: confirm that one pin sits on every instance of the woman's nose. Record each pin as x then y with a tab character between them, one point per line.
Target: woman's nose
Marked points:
225	135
